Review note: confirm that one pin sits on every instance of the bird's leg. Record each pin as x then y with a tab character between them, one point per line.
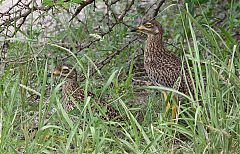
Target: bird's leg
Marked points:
173	106
168	103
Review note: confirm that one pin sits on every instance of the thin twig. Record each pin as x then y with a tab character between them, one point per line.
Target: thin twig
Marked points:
79	9
155	13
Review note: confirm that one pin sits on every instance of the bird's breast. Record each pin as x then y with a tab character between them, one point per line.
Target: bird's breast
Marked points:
160	69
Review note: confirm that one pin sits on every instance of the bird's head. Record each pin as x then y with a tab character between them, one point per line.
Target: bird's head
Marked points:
149	27
65	71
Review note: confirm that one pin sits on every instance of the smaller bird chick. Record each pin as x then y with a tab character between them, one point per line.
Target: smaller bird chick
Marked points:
70	89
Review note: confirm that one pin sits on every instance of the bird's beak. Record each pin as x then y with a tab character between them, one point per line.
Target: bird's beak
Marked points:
138	29
54	73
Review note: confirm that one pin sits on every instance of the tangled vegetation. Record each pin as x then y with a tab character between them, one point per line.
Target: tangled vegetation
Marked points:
95	37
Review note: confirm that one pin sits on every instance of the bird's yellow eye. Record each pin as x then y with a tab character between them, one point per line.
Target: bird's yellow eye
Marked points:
148	25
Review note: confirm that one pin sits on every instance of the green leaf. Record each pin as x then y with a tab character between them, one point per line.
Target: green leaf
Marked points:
48	2
76	1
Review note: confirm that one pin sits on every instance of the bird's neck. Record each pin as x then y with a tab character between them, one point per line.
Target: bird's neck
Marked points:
69	85
155	45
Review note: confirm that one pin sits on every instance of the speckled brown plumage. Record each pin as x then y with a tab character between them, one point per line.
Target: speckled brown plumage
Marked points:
71	90
163	67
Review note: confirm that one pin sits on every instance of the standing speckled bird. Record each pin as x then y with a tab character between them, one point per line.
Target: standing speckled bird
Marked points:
163	68
70	89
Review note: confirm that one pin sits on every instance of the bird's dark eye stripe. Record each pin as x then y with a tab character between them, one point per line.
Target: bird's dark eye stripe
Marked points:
65	70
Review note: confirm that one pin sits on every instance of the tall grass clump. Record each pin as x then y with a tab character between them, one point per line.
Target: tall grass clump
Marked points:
32	117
